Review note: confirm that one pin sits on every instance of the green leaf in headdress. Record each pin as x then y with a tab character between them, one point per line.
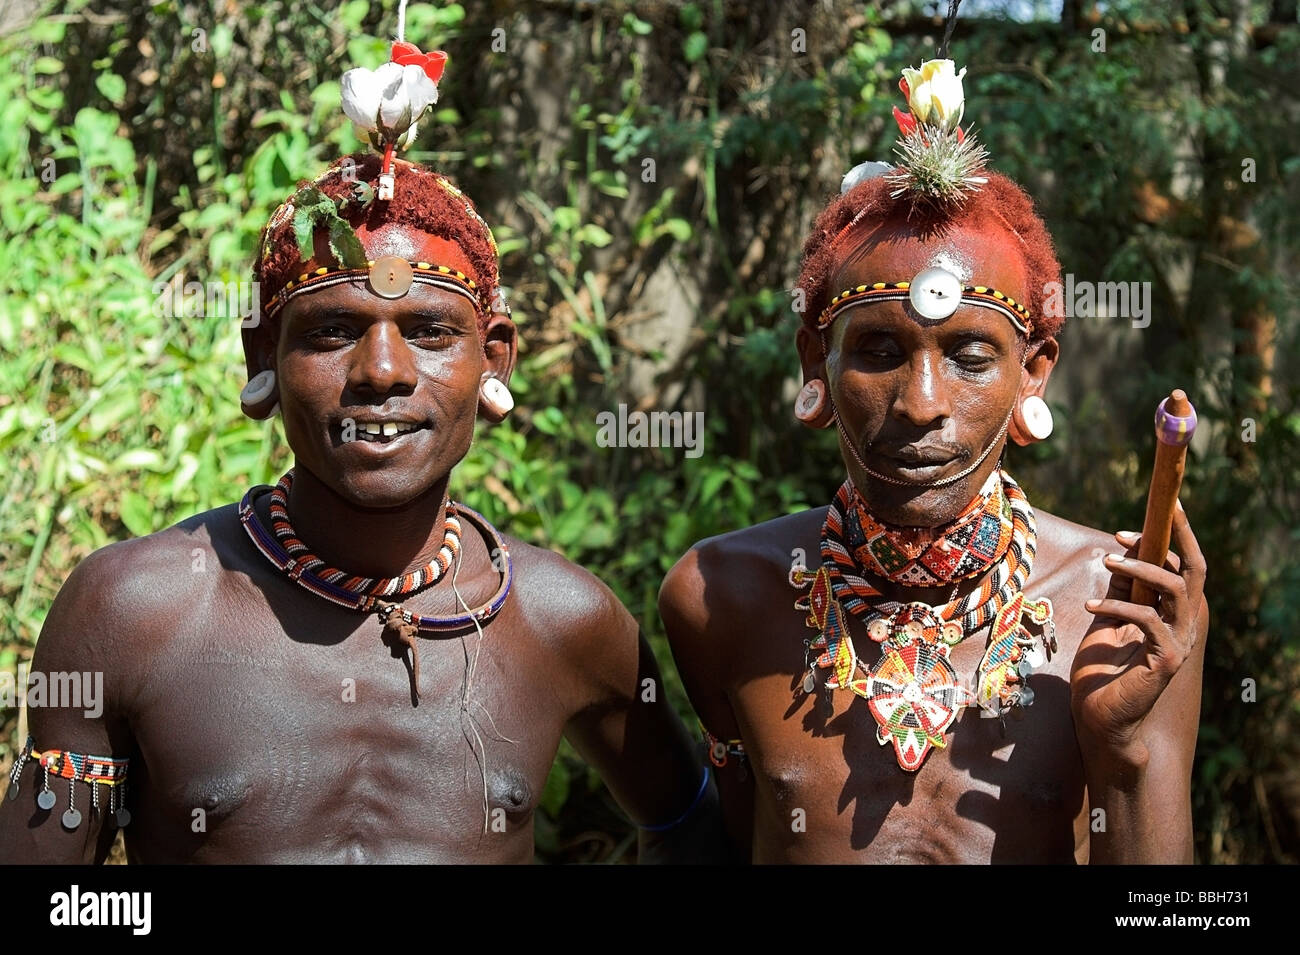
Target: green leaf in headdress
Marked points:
314	210
345	245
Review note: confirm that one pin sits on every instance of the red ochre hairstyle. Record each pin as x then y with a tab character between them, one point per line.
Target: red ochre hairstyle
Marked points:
1000	200
418	201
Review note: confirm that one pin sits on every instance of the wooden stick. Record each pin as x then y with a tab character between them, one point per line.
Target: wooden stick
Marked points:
1175	425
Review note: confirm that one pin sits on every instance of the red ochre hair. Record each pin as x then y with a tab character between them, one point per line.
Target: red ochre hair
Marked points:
418	201
999	200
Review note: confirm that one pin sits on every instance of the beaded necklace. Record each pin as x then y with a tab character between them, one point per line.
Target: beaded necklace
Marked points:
912	690
368	586
288	554
924	557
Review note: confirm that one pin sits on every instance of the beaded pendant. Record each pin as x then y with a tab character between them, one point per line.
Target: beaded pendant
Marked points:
1013	654
913	691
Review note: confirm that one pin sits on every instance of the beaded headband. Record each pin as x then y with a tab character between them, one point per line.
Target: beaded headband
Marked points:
387	276
935	294
317	211
385	106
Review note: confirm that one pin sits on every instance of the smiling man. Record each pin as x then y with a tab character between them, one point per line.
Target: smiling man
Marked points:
842	659
350	666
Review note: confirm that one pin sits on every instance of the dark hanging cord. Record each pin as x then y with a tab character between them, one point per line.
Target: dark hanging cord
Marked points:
947	31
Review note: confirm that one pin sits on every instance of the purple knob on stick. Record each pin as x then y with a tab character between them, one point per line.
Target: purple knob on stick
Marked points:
1172	428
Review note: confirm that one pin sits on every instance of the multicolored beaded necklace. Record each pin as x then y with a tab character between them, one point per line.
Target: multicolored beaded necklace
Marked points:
912	690
290	555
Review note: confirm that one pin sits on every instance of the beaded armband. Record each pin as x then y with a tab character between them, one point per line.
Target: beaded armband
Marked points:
719	750
94	771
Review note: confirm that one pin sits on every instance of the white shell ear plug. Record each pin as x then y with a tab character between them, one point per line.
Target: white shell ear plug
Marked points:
1037	417
258	389
935	293
496	396
256	394
811	401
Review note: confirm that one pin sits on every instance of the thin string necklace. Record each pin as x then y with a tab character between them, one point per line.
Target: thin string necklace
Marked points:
287	553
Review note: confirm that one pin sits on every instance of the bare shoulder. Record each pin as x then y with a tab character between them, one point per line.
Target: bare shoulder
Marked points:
1065	547
590	645
721	579
575	606
114	601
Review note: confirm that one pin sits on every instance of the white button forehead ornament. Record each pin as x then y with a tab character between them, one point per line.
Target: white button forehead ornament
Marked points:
935	293
391	276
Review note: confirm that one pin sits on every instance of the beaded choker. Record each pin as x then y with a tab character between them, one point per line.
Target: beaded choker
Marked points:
288	554
368	588
922	557
912	690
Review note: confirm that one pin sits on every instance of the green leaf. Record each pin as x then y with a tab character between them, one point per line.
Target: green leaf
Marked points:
45	30
351	14
112	86
592	234
138	459
712	482
609	183
566	218
556	791
549	421
347	247
222	39
137	514
679	229
632	24
303	227
46	98
696	45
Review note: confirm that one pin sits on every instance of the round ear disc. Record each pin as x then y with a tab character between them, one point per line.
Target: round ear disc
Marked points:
391	276
496	395
259	388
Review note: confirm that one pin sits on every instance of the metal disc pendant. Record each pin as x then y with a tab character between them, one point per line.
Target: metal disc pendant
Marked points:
122	817
826	705
809	682
46	799
71	819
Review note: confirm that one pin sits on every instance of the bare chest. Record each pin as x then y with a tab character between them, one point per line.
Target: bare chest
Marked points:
286	731
828	789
